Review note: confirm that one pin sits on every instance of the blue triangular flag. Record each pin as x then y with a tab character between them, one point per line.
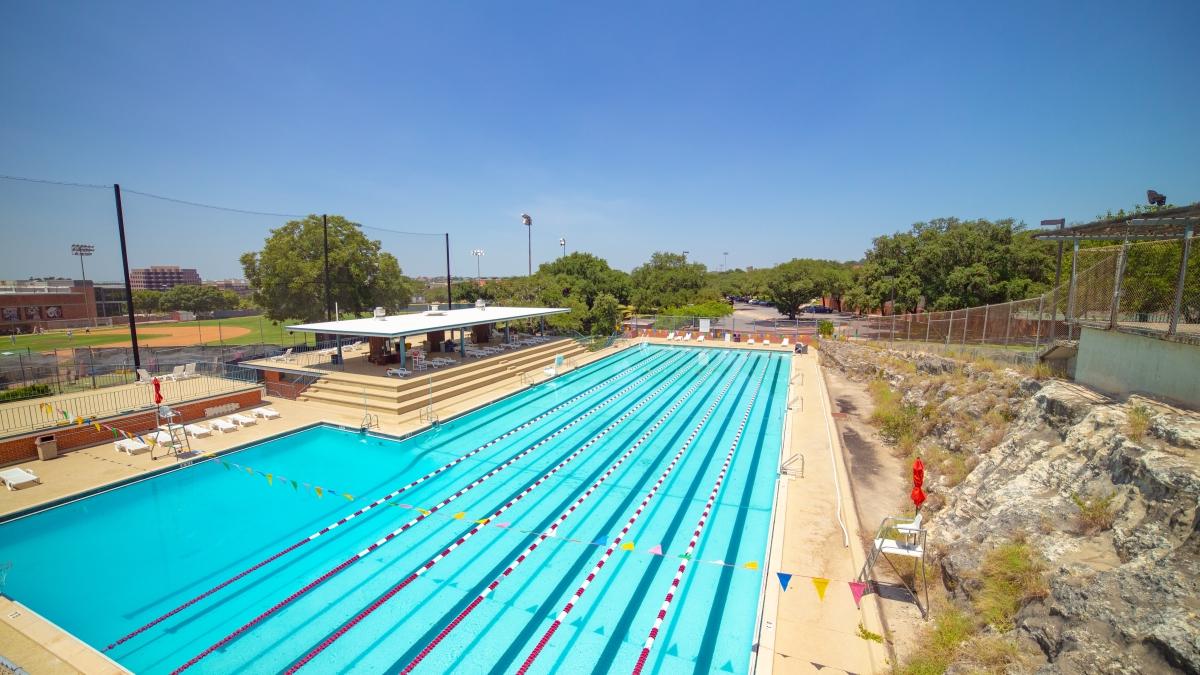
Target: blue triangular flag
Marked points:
728	667
600	541
673	650
784	578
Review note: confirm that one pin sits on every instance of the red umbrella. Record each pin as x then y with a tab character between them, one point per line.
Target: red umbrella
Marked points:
157	390
918	495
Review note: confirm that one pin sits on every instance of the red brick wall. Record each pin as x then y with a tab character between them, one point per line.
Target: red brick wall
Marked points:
73	437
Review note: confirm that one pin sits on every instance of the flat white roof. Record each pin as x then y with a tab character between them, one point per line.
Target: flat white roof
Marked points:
425	322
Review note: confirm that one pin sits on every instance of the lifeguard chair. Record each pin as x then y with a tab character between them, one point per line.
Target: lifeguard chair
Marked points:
900	536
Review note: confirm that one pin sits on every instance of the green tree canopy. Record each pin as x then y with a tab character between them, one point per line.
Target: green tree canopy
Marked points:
587	276
196	299
147	301
668	280
793	284
288	273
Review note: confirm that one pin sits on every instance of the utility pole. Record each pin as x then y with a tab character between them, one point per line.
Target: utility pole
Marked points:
478	253
449	293
137	359
328	292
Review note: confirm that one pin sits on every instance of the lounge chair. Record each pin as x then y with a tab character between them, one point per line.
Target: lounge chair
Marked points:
197	430
671	335
784	343
728	337
687	337
766	341
223	426
750	341
266	413
286	356
143	376
165	438
242	420
177	373
189	370
397	372
131	446
700	337
17	478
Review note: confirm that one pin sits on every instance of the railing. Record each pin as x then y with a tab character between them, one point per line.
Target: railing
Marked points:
210	379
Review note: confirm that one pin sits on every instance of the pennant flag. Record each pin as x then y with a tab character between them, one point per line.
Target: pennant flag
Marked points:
349	497
752	565
627	546
503	525
270	479
686	556
460	515
65	415
225	464
655	550
816	665
857	589
821	584
249	471
405	506
424	512
784	579
320	491
115	436
97	425
600	541
484	521
78	420
153	441
295	486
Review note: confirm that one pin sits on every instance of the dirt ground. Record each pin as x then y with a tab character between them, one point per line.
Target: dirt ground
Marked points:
878	479
172	336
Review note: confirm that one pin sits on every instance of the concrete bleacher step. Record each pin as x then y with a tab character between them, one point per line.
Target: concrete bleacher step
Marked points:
399	396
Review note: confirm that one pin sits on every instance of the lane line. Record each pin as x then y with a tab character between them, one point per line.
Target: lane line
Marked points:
591	576
391	535
433	561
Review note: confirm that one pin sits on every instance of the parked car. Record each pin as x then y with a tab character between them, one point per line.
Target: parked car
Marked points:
815	309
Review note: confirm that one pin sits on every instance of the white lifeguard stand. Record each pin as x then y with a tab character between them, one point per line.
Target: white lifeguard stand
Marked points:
177	439
899	536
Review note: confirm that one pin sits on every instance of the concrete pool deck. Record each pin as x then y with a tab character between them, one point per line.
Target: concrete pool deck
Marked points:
797	630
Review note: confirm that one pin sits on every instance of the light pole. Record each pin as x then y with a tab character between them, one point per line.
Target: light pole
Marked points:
562	241
82	250
685	255
724	260
527	221
478	253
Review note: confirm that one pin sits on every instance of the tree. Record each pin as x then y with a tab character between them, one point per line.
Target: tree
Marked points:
197	299
605	314
147	301
587	276
288	273
792	285
668	280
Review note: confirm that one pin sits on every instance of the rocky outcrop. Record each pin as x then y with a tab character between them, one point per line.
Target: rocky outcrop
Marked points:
1123	599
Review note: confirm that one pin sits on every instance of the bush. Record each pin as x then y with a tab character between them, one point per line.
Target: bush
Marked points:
31	391
939	644
1137	422
899	423
825	328
1095	513
1012	577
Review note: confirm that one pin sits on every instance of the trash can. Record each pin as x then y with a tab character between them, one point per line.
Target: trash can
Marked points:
47	447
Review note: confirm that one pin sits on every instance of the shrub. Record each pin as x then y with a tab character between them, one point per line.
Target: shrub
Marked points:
1095	512
30	391
1137	422
1012	576
825	328
939	643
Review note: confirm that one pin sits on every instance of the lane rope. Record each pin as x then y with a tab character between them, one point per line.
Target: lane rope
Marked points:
391	535
372	505
591	576
712	498
346	627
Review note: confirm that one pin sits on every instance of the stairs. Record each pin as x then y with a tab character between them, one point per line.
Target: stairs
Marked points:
394	396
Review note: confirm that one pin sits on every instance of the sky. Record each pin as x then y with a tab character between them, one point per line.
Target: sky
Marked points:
765	130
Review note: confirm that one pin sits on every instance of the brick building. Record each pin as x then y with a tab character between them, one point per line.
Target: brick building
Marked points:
57	303
162	277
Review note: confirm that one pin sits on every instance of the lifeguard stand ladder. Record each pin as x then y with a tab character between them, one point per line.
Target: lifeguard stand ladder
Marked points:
178	436
898	536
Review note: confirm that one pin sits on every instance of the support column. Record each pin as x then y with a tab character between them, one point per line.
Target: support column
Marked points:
1177	306
462	342
1115	309
341	358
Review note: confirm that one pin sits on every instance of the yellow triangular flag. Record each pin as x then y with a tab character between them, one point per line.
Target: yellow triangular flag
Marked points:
249	471
78	420
424	512
821	585
349	497
320	491
270	479
460	515
627	546
752	565
97	425
484	521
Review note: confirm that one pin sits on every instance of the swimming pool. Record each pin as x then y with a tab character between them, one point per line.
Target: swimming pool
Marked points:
616	515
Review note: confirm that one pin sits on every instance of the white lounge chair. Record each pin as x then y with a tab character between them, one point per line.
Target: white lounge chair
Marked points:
750	341
223	426
397	372
266	413
242	420
17	478
286	356
177	373
165	438
671	335
143	376
197	430
700	337
728	337
189	370
784	343
766	341
131	446
687	337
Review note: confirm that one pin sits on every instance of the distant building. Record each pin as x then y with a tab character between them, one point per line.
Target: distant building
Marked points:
239	286
57	303
162	277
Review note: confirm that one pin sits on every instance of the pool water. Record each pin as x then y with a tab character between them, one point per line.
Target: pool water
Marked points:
103	566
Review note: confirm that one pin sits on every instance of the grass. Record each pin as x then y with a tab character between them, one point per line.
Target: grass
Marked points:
939	645
1137	422
1095	512
1013	576
58	340
261	330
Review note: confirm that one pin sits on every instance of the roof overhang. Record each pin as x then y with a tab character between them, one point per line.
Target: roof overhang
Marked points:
1162	224
419	323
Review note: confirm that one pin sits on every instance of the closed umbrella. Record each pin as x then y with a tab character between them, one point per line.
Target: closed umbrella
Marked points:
158	397
918	495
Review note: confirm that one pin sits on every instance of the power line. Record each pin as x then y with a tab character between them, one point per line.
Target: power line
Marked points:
55	182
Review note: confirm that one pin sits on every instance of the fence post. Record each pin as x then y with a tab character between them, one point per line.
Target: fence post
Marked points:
1008	325
908	320
1037	337
1177	306
983	333
1071	293
966	323
928	323
1117	279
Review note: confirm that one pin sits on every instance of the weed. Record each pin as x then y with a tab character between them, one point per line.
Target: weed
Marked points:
1012	576
868	635
1138	422
990	654
940	643
1095	512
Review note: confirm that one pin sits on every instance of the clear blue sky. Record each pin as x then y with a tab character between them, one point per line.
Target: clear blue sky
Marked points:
769	130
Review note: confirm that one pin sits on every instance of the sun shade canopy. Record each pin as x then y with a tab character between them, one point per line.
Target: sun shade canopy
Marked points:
425	322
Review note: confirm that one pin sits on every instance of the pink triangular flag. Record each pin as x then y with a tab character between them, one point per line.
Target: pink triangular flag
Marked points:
655	550
857	589
503	525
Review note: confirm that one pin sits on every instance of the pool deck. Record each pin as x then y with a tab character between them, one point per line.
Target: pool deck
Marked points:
798	632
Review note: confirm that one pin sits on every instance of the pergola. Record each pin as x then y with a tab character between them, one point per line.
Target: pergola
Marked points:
1162	224
432	321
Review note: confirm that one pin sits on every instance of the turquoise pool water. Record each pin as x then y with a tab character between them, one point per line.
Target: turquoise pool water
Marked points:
103	566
